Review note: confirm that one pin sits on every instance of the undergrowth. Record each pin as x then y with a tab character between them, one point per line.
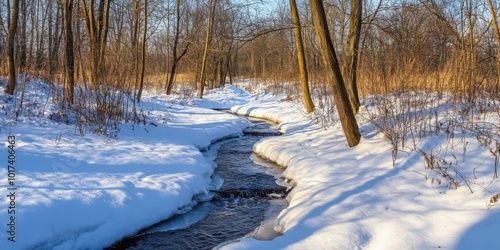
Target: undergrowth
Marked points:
407	118
97	109
452	122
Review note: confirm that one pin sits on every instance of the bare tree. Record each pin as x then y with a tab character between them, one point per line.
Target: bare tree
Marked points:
135	29
304	81
497	35
22	42
55	36
176	57
336	82
97	34
10	49
70	58
208	38
351	56
143	61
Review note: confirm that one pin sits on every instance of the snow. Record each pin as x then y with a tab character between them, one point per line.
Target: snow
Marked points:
353	198
87	192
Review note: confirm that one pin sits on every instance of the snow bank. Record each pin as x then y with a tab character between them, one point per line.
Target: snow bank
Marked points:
87	192
353	198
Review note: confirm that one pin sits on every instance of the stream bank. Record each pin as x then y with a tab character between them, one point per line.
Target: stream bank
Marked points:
246	205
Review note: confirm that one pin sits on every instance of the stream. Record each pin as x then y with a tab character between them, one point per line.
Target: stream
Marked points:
246	205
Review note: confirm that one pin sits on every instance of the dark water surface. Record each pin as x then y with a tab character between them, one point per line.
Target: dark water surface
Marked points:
248	199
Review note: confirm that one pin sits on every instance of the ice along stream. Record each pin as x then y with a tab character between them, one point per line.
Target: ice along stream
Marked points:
247	203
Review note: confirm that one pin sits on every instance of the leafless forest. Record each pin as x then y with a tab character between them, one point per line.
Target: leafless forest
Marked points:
418	45
351	50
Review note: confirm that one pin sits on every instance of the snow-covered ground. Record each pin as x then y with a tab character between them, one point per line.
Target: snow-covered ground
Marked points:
86	192
353	198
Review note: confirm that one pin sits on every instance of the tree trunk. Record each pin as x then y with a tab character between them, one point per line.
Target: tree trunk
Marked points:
207	43
23	44
304	82
230	70
97	33
170	77
8	14
350	69
51	37
56	40
10	49
78	42
336	82
176	58
40	54
70	58
222	75
135	44
103	33
91	33
497	34
143	62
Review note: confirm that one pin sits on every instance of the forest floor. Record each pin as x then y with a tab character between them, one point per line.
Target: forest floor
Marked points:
74	192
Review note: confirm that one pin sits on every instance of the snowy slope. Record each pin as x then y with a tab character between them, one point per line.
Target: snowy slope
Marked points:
353	198
87	192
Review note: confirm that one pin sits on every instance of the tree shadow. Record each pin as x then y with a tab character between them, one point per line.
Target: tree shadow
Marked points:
484	234
300	232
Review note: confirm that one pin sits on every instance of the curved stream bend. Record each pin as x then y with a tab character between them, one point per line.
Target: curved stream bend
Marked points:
246	205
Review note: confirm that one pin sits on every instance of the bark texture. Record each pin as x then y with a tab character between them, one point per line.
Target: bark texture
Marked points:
11	67
351	56
335	80
304	81
70	58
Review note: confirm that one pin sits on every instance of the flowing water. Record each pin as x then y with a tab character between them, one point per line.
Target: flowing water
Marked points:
246	205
